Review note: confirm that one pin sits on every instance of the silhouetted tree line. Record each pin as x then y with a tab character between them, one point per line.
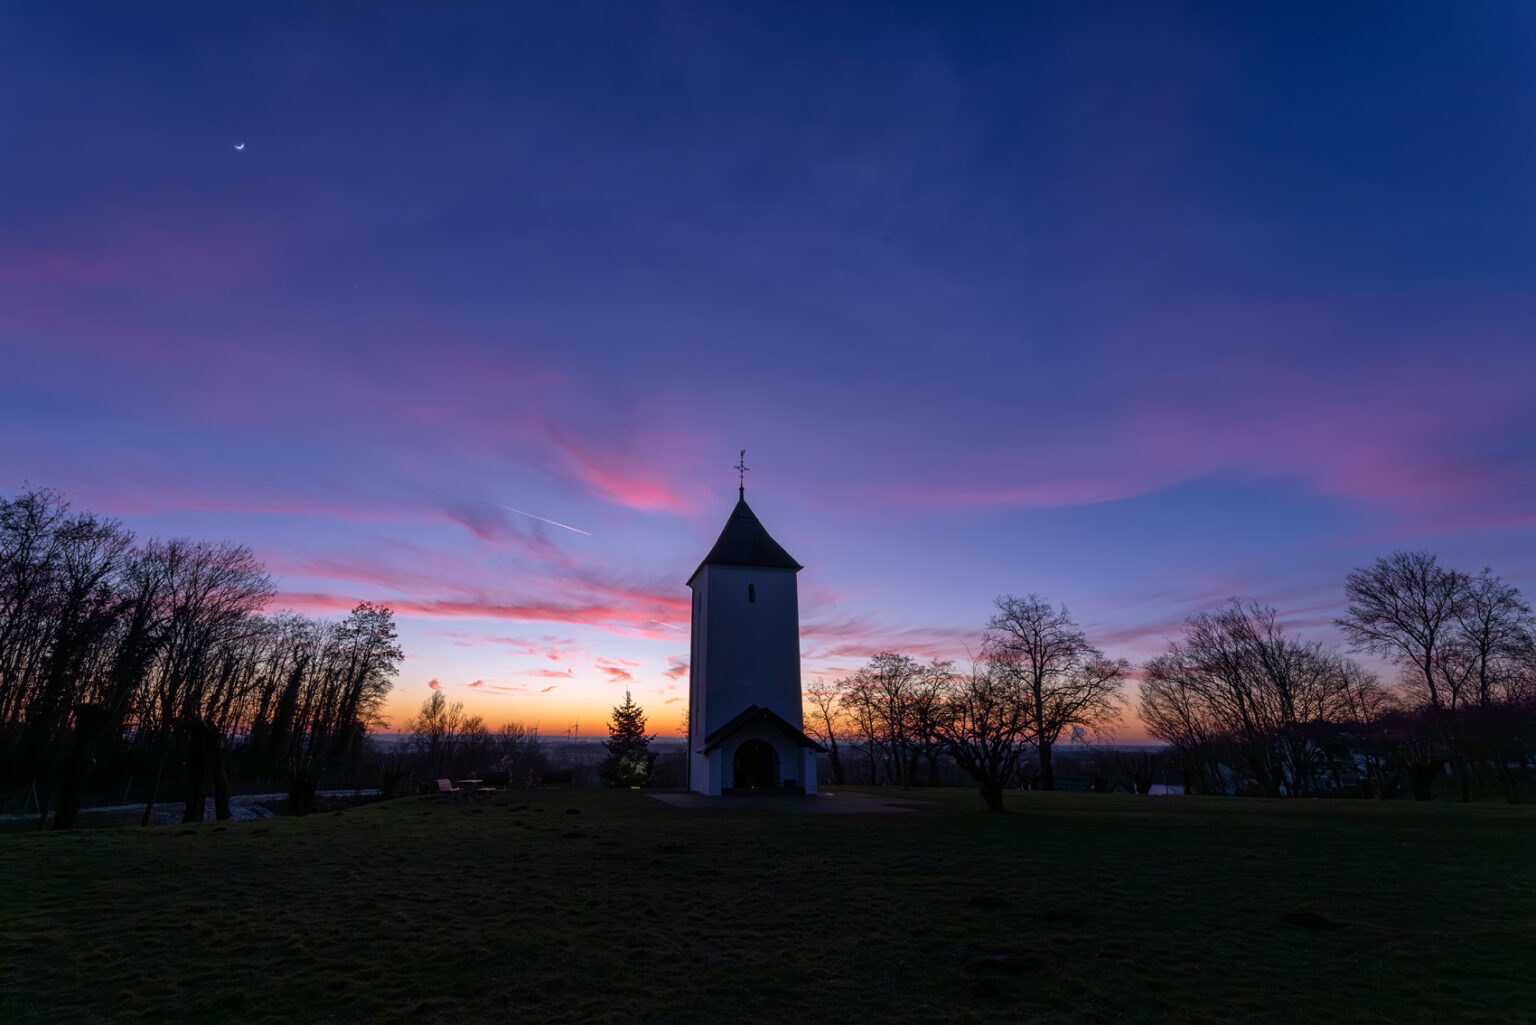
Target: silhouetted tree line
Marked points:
902	721
1244	706
442	742
125	661
1295	718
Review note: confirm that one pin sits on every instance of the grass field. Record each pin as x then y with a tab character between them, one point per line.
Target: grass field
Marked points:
600	906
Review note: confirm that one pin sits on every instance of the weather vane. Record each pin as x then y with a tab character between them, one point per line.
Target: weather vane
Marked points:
741	469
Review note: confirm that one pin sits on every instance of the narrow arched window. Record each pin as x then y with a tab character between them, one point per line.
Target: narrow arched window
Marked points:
751	592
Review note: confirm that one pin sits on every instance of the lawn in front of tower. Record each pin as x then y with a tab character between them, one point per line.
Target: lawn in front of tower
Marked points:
604	906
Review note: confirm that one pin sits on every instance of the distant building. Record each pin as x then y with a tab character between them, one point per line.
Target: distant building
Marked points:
745	726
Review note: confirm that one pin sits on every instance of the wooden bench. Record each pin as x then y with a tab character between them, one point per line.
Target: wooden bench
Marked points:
446	789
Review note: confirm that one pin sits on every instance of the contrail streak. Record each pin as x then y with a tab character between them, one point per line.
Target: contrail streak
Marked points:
552	523
669	626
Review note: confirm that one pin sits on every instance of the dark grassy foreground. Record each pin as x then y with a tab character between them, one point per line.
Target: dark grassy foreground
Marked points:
1079	908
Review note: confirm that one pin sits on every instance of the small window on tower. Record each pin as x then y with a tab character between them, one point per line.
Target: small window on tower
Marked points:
751	592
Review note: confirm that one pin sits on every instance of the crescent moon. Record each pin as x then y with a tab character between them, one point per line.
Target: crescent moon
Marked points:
239	145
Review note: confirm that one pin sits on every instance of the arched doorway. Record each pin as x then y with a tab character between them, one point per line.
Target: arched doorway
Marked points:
756	765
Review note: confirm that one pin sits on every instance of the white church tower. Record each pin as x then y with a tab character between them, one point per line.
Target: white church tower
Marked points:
745	726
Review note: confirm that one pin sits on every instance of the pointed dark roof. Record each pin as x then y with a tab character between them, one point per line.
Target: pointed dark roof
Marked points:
757	713
745	542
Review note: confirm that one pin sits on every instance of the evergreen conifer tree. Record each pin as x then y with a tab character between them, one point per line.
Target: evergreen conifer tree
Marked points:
630	761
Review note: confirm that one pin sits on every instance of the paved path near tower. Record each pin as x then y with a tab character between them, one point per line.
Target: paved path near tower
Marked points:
834	802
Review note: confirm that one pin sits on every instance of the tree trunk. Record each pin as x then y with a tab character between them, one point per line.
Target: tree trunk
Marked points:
992	794
1423	781
199	757
301	791
154	789
90	721
1047	773
220	783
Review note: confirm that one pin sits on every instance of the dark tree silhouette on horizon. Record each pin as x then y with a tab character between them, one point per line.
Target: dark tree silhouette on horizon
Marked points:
893	700
1468	644
1065	680
120	660
1239	681
985	727
825	725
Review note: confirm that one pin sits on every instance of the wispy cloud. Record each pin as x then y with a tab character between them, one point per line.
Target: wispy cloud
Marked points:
553	523
600	472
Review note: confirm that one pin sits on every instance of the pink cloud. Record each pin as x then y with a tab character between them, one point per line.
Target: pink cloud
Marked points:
549	646
575	597
615	674
434	684
1267	390
646	493
611	617
676	669
860	636
551	687
503	688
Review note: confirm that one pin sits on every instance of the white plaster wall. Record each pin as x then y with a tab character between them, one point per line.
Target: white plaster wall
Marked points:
712	776
745	652
700	768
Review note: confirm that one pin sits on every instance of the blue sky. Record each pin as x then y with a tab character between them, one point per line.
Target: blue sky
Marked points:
1135	306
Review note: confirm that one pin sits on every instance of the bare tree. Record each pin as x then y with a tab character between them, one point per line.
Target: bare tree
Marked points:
1175	711
30	537
1238	679
1495	644
438	730
1066	681
875	697
893	699
1408	607
1365	704
520	753
163	650
826	721
986	725
358	660
1495	633
213	591
928	712
84	610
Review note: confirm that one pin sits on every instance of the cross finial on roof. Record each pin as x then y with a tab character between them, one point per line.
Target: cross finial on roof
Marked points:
741	469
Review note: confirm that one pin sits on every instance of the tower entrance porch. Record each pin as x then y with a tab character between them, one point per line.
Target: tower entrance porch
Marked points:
756	766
